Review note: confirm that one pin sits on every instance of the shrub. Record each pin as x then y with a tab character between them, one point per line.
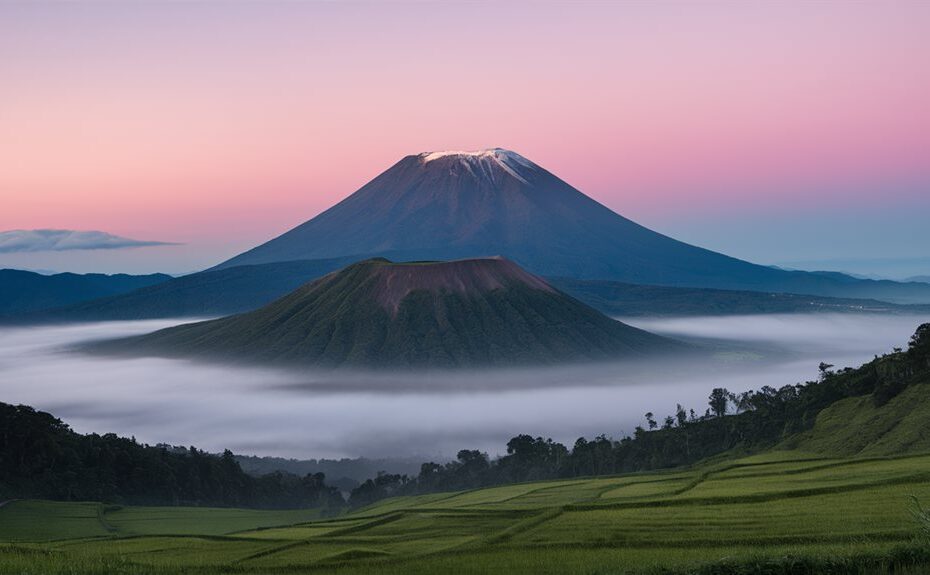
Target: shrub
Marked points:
922	516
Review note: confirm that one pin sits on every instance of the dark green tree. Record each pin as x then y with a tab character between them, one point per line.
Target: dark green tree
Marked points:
718	400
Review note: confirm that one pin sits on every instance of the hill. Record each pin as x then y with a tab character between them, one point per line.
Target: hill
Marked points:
376	313
209	293
41	456
245	288
892	420
22	292
858	427
623	299
344	473
450	205
879	409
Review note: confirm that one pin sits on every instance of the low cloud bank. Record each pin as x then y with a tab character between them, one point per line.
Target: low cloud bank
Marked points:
15	241
318	414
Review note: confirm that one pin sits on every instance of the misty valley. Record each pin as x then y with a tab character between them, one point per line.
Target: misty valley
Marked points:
457	287
320	455
507	365
301	413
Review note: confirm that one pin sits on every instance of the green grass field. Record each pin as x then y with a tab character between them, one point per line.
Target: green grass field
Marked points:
783	512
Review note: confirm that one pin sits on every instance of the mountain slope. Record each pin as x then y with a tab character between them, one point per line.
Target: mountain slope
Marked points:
209	293
448	205
629	300
245	288
25	292
433	314
856	426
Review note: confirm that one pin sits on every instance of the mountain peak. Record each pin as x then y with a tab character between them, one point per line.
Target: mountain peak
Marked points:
485	153
484	160
446	205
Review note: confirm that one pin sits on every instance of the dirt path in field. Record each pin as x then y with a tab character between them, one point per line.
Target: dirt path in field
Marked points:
3	503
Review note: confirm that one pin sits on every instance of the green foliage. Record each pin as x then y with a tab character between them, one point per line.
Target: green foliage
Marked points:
37	520
845	412
778	513
339	320
856	426
42	520
42	457
921	516
718	400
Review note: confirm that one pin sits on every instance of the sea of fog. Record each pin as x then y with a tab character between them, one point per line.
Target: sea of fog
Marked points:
309	414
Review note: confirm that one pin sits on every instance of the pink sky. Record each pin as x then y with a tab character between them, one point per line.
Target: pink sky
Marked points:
223	124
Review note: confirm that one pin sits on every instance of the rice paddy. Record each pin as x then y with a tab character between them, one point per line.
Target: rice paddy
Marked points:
784	512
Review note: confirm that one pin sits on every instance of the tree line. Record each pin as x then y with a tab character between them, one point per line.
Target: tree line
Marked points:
751	420
41	457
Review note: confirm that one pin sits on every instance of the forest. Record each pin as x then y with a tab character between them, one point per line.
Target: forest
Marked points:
41	457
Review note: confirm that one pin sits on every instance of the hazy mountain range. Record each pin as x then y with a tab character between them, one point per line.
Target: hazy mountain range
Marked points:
893	267
24	292
243	288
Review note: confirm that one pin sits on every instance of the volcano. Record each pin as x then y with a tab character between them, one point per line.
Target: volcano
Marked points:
375	313
453	205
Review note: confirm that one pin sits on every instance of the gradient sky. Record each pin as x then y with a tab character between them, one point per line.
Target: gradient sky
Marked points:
772	131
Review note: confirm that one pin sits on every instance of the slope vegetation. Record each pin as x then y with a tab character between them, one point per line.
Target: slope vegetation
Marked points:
789	515
857	426
379	314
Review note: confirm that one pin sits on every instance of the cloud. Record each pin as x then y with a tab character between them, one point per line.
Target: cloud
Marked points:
61	240
313	413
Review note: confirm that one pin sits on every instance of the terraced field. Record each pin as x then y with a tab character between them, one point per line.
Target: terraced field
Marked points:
785	511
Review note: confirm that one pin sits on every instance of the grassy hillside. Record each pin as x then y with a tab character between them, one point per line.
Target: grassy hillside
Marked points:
856	426
430	314
873	418
890	420
785	512
32	520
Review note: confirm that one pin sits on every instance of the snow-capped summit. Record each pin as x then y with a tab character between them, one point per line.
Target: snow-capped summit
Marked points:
465	204
496	153
484	161
449	205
